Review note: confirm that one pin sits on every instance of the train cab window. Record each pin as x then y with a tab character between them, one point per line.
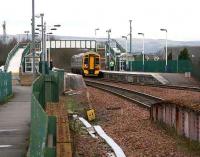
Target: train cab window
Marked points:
86	61
96	60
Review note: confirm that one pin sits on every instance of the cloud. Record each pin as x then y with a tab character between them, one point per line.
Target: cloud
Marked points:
80	18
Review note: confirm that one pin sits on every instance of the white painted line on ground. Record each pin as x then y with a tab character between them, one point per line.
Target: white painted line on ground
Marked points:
5	146
116	148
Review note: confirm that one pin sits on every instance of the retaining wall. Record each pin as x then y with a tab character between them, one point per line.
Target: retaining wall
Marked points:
130	78
185	121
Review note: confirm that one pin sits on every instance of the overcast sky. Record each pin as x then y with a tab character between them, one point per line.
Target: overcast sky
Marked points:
81	17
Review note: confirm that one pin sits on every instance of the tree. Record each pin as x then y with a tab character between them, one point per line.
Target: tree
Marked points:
5	49
184	55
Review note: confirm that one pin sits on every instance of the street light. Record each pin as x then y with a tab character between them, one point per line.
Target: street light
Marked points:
165	30
122	62
43	48
33	37
130	36
108	61
57	25
49	39
142	49
50	28
125	37
95	33
27	32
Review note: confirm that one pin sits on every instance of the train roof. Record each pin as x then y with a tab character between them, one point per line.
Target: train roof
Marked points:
86	53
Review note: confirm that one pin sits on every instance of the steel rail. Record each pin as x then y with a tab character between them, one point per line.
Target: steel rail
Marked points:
177	87
143	99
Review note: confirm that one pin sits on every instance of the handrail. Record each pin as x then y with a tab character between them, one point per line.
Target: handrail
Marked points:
112	53
25	52
119	46
10	55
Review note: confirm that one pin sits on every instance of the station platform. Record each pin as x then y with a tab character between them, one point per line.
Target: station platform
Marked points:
15	123
151	78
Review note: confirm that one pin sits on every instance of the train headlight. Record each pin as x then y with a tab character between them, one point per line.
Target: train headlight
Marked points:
85	66
97	67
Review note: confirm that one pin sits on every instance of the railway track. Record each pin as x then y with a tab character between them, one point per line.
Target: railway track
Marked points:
189	88
143	99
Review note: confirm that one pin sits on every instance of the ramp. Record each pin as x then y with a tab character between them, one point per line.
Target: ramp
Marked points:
15	61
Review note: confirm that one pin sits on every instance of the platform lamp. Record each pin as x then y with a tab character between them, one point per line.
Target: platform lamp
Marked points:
43	48
165	30
142	49
108	61
27	32
49	52
95	33
126	40
125	37
54	28
33	37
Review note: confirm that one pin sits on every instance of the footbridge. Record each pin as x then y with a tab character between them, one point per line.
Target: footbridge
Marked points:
77	44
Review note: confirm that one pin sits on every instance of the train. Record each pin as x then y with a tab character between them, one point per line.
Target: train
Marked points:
86	64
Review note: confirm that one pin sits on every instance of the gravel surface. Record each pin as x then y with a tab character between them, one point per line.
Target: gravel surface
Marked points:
83	144
130	127
178	96
89	147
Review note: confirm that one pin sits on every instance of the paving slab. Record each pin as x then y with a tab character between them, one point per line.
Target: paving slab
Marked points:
15	117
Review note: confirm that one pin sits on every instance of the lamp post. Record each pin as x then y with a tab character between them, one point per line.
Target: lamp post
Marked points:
165	30
43	47
126	38
108	61
130	36
49	39
33	36
95	33
142	50
50	33
26	32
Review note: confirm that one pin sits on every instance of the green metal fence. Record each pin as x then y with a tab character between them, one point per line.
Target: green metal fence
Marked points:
180	66
44	89
5	85
10	55
59	73
39	120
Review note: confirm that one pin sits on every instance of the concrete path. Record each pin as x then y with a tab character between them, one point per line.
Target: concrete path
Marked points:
15	123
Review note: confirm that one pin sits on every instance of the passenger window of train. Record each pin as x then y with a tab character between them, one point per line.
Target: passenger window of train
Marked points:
86	61
97	61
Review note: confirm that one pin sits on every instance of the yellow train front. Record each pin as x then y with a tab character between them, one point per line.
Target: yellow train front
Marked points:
86	64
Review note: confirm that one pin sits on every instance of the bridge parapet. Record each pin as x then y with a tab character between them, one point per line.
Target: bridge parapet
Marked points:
79	44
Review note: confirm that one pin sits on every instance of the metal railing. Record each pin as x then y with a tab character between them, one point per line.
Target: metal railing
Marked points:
25	52
10	55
